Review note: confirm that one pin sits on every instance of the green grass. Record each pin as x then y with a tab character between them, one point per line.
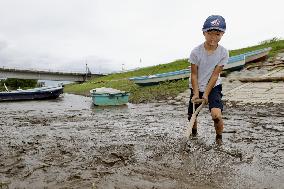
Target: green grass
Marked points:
163	91
276	44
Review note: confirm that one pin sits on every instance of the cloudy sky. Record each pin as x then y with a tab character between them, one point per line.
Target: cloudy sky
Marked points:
111	35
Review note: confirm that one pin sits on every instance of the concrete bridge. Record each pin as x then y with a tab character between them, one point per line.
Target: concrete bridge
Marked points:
46	75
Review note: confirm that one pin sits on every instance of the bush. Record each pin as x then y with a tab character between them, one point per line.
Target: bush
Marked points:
13	84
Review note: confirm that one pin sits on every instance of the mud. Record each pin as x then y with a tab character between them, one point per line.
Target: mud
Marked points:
68	143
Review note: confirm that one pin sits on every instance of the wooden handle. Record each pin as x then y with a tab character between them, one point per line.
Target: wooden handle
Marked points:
194	116
199	108
198	101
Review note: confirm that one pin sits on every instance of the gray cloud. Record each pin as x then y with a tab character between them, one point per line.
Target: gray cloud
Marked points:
63	34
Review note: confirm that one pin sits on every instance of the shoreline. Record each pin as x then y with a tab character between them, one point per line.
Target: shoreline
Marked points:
232	81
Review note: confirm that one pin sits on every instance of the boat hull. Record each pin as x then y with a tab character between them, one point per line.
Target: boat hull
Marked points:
158	78
238	62
256	57
154	81
46	93
110	99
235	63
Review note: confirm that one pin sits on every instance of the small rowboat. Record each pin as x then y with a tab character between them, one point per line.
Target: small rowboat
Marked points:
31	94
108	97
238	62
157	78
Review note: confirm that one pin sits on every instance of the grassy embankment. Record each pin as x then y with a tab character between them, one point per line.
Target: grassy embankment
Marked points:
163	91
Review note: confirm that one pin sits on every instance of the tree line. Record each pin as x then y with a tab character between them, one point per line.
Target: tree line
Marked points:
13	83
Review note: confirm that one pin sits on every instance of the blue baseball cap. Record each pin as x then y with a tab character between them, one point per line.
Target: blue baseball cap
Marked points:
214	22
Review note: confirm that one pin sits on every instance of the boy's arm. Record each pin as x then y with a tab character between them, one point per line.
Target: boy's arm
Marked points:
194	81
212	81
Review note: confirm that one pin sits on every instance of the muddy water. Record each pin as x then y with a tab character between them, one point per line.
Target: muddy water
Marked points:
68	143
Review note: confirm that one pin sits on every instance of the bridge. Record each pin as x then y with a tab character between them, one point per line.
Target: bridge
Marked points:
46	75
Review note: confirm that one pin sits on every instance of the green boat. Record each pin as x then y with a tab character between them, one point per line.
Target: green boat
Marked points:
109	97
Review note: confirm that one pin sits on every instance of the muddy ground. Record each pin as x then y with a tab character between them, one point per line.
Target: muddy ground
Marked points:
68	143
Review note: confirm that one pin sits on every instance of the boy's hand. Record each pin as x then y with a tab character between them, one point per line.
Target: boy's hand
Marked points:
205	97
194	97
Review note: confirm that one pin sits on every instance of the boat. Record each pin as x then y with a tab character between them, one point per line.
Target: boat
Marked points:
253	56
31	94
238	62
109	97
162	77
234	63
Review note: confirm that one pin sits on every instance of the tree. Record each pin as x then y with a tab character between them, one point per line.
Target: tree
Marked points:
13	83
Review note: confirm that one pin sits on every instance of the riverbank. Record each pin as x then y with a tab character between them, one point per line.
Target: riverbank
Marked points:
164	91
248	93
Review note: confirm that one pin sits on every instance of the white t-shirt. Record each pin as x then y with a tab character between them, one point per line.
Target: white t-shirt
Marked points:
207	63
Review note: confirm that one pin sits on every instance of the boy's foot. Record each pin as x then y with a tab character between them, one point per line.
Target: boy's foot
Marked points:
194	132
219	139
218	136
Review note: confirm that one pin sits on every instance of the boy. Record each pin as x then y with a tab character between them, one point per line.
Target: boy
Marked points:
207	61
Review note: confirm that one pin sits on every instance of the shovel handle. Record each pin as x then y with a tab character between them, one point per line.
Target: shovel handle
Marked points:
198	101
194	115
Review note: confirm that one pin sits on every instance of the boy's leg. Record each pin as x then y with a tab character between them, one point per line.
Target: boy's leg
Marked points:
218	121
216	108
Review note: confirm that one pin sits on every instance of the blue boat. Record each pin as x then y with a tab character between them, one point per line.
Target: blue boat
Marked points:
31	94
109	97
157	78
256	55
238	62
234	63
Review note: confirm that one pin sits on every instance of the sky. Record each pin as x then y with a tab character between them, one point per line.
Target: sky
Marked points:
115	35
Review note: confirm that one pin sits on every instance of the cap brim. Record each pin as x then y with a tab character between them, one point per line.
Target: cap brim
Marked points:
214	28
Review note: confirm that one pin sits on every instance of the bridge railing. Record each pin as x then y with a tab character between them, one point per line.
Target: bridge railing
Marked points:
41	70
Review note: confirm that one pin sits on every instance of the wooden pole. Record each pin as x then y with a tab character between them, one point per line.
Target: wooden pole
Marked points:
194	115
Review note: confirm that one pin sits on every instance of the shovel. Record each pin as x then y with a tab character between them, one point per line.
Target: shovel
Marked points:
194	115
